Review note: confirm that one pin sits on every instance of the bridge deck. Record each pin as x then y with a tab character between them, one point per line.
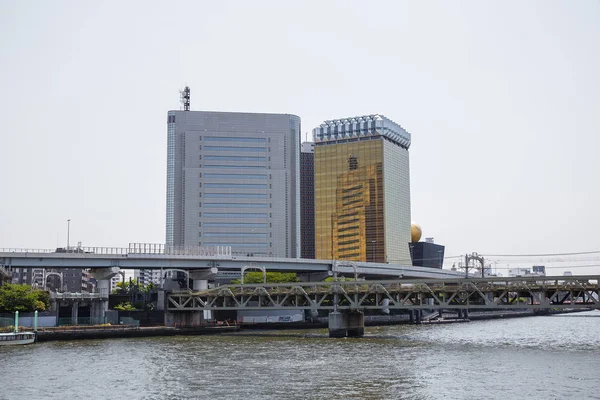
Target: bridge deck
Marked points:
95	257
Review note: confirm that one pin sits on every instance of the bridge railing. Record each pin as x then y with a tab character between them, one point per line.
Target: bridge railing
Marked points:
17	250
136	249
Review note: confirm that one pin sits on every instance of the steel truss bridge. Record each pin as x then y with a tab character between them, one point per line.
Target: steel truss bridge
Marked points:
432	294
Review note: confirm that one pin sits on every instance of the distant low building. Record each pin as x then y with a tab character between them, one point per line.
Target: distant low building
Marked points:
519	272
427	254
539	269
536	270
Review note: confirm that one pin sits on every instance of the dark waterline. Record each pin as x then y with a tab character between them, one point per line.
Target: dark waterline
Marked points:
553	357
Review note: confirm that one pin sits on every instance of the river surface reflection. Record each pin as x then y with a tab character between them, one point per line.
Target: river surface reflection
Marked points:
552	357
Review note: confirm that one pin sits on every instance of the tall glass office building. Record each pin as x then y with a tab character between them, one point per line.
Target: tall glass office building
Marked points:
233	180
362	190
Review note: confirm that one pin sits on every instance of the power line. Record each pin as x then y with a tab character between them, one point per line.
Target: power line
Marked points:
542	255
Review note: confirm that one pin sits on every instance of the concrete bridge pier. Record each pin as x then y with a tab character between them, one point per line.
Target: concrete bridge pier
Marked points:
97	313
74	312
103	277
418	316
200	282
183	318
346	324
160	301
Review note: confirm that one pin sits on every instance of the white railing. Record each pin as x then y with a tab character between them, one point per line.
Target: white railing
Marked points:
17	250
137	249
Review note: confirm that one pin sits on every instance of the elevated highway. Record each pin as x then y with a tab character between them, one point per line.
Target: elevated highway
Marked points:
136	258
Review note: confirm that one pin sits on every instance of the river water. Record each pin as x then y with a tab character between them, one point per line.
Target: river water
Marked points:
551	357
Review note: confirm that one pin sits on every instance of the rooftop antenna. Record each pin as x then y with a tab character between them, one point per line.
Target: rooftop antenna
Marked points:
185	98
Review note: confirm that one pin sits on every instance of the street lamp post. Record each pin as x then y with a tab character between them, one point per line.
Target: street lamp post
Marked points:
68	233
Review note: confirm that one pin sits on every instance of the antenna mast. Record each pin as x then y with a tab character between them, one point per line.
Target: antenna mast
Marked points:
185	98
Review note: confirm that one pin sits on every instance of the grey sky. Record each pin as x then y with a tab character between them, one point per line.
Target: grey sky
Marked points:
502	99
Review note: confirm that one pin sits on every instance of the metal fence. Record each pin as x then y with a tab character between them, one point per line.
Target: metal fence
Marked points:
130	321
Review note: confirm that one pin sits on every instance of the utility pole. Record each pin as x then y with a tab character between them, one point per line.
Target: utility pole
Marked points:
68	234
474	256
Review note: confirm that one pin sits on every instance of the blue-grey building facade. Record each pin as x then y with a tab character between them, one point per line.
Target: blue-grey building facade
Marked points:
233	180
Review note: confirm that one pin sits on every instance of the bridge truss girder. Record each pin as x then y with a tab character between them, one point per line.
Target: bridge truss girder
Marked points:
473	293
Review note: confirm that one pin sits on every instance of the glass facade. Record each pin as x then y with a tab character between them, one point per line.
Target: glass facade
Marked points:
307	200
349	223
362	191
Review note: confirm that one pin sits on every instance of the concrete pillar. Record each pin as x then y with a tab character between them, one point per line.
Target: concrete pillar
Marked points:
337	324
160	301
183	318
97	312
346	324
103	277
103	286
200	284
74	312
356	324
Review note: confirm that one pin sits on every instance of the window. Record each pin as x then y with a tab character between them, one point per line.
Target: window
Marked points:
235	195
234	205
234	225
234	148
235	215
237	234
237	185
235	176
234	158
237	244
252	167
235	139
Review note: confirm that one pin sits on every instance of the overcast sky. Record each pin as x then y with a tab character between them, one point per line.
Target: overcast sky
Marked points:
502	100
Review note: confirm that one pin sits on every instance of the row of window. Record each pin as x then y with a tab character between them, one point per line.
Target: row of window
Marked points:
237	244
237	234
234	205
234	148
235	225
235	176
234	139
237	185
235	166
235	195
234	158
234	215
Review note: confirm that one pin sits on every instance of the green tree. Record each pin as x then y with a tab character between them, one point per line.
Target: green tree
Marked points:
272	277
22	298
125	306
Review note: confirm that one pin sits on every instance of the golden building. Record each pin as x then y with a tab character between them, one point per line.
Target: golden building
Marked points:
362	190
